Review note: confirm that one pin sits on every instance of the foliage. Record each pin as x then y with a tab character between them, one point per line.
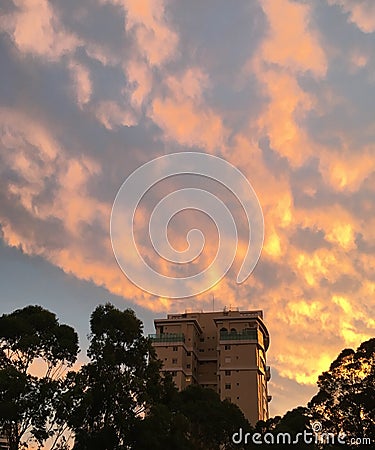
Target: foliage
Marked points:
193	419
212	421
119	400
28	403
345	402
119	383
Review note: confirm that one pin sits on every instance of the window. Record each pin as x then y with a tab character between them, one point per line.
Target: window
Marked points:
238	384
174	361
223	330
201	350
201	339
188	366
228	398
228	386
188	353
238	398
227	372
174	373
175	349
227	347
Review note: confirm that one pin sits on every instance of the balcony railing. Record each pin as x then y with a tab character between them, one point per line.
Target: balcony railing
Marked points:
167	337
241	336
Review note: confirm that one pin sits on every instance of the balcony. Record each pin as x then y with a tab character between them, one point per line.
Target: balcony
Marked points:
247	335
167	337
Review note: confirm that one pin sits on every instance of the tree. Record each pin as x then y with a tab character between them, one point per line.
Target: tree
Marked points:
162	428
212	421
111	393
345	402
27	402
193	419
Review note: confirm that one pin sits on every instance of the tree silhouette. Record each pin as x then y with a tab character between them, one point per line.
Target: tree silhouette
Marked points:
195	419
345	402
27	402
115	389
119	400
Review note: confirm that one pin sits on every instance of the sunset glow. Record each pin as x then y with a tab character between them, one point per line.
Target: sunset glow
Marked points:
93	90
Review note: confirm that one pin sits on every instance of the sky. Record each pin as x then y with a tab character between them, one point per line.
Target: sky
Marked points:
284	90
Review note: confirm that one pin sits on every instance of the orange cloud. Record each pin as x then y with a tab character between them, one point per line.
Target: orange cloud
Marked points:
347	170
157	42
139	75
291	43
183	114
82	82
111	115
187	124
317	295
290	48
36	28
361	13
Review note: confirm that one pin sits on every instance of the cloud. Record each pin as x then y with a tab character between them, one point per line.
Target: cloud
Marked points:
156	40
82	82
292	44
361	13
35	28
290	49
286	101
183	114
140	76
111	115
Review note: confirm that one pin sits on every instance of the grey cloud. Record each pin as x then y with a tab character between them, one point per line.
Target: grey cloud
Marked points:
308	239
272	274
345	284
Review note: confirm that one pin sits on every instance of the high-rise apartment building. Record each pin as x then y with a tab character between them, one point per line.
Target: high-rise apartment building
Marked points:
225	351
3	442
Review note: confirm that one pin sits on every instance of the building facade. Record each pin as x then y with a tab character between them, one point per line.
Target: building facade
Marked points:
3	442
224	351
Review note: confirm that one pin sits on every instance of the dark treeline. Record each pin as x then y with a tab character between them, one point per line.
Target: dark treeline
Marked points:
119	400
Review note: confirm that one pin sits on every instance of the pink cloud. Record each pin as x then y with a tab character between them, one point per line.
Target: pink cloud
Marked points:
36	28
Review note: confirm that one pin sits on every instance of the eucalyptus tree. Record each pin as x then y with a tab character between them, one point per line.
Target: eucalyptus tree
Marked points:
116	388
35	352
